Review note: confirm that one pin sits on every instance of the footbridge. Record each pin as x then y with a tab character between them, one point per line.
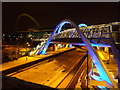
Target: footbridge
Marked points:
89	36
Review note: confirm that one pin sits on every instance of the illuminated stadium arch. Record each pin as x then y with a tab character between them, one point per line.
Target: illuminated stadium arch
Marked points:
30	17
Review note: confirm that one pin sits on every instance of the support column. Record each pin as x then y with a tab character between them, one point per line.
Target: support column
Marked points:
66	46
106	49
55	47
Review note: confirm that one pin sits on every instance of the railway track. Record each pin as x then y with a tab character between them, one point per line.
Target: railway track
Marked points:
56	72
29	64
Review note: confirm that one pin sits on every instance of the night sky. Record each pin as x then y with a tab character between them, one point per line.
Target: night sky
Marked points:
49	14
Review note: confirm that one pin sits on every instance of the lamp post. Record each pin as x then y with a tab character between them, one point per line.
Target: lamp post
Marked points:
26	47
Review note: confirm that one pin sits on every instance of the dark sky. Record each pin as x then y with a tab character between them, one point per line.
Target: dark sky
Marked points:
49	14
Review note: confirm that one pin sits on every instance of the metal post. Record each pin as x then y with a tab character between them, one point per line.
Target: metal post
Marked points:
87	69
26	48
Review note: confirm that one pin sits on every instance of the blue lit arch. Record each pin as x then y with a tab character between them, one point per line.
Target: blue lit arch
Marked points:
104	74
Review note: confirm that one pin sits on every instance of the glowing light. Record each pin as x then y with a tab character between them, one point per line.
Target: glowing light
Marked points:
98	47
70	45
93	44
61	25
59	45
28	44
82	25
103	88
3	34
